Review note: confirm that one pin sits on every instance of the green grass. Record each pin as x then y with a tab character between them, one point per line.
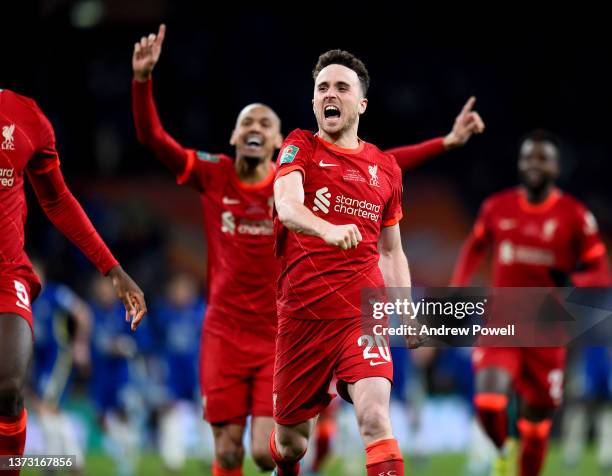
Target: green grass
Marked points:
445	465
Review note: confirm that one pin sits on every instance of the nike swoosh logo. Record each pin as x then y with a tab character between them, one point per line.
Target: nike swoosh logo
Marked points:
323	164
374	364
230	201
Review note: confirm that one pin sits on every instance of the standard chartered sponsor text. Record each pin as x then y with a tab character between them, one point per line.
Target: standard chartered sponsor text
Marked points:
356	207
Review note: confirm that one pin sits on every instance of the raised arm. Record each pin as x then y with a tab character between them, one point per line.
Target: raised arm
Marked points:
149	129
467	123
289	202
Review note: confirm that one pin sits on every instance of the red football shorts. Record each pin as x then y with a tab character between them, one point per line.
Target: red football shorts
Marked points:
15	297
310	353
236	380
537	372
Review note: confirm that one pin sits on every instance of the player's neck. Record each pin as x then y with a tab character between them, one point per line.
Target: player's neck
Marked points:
536	196
345	139
251	170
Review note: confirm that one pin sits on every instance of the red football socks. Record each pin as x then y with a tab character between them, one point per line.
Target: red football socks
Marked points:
283	467
219	471
491	410
534	443
13	437
384	458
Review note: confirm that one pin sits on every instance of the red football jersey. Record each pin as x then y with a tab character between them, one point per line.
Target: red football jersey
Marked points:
360	186
27	145
529	240
242	270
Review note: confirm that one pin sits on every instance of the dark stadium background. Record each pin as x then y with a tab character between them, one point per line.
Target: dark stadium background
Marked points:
74	59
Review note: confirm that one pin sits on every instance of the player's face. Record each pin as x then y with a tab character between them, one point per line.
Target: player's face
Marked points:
538	164
338	99
257	133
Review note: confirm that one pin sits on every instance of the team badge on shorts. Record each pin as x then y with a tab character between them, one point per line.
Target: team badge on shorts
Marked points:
289	154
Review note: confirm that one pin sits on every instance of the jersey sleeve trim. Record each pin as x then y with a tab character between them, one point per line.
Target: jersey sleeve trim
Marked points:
184	176
47	168
287	170
594	252
393	221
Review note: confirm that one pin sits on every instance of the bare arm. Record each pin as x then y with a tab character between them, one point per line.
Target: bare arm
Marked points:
396	273
289	202
393	262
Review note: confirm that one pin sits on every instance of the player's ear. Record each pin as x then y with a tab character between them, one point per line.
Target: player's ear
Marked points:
278	141
363	105
234	138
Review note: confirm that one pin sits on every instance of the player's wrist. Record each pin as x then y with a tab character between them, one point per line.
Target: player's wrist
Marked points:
115	271
323	229
143	77
451	141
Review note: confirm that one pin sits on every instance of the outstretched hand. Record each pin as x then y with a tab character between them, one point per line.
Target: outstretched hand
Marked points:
130	294
467	123
146	54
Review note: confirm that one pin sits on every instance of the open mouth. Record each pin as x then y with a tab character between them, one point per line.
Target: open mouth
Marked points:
254	141
331	111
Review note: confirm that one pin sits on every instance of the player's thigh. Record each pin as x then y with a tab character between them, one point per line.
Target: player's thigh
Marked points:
16	344
16	341
541	382
305	359
496	369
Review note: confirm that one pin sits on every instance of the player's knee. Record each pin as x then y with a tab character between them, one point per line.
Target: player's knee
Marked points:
374	421
291	444
262	457
493	380
230	456
11	396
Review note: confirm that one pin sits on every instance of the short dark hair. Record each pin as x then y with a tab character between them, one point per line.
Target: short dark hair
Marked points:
347	59
542	135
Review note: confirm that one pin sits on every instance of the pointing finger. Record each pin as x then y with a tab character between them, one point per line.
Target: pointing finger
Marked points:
468	105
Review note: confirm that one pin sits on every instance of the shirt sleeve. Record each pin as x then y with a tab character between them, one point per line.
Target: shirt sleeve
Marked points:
474	249
481	232
295	153
590	244
152	134
393	210
409	156
201	168
45	157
